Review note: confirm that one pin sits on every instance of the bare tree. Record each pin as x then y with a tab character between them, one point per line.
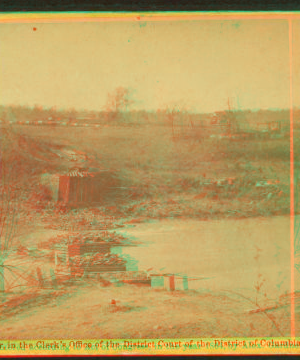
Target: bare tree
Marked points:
229	120
119	102
181	122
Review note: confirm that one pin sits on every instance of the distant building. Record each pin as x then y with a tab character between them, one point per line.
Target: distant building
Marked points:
262	126
269	126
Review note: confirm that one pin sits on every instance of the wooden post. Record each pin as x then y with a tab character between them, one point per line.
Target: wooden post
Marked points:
172	282
67	257
53	278
169	282
40	276
185	282
56	259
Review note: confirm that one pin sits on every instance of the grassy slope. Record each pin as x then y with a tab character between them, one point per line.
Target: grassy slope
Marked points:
172	173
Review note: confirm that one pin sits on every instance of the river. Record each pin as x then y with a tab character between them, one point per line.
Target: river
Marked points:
250	256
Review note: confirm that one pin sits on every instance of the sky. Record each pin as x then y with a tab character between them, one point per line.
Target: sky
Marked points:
197	65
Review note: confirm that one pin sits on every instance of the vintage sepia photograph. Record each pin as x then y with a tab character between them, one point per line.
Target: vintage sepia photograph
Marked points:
149	180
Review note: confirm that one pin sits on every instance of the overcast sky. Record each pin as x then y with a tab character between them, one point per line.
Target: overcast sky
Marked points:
196	64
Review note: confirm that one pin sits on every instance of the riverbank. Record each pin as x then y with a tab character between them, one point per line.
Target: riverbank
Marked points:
87	312
218	308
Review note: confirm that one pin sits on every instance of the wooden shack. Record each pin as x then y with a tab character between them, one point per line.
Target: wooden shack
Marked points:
83	187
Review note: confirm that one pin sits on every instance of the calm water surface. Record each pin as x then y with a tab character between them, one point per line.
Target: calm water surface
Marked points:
235	255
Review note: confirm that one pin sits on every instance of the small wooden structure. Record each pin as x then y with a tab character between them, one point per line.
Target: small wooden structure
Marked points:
169	282
65	254
83	187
